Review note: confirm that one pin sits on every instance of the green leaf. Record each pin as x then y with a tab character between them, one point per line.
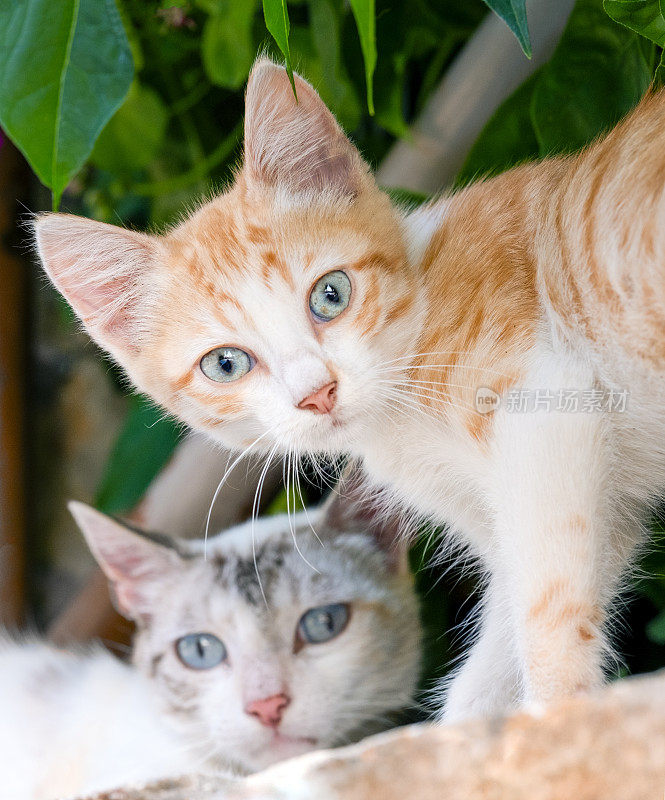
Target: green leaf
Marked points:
363	11
513	13
65	67
659	74
284	503
143	448
227	46
508	138
276	16
333	82
132	139
405	197
645	17
656	629
597	74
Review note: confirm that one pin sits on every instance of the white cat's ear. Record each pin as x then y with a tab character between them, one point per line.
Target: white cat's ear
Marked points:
354	506
296	145
135	563
104	272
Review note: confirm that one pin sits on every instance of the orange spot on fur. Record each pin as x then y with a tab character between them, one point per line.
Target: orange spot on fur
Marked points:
399	309
183	382
274	265
368	313
257	234
380	261
557	607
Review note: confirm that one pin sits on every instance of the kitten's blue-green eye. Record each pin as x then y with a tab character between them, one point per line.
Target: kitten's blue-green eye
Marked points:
225	364
330	295
200	650
323	623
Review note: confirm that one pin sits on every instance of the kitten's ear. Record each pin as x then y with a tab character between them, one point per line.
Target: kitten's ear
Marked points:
297	145
104	272
134	562
355	507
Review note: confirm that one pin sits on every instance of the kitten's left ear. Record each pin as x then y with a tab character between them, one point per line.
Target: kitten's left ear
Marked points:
106	273
297	145
354	506
134	562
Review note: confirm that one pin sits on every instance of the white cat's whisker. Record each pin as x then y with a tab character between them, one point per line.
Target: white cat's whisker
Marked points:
428	386
288	513
445	353
400	404
443	399
304	505
255	508
228	471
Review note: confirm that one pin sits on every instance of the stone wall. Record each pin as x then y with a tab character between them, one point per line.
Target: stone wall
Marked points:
608	746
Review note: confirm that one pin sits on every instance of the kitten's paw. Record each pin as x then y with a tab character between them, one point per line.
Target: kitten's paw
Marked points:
466	697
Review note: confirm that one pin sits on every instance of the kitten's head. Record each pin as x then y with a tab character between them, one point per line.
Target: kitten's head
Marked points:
261	651
271	311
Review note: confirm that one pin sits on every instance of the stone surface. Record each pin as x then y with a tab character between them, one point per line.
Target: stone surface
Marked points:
609	746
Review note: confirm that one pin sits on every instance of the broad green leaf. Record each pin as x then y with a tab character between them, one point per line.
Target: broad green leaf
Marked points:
364	13
513	13
507	139
143	448
597	74
276	16
645	17
133	137
65	67
656	629
333	83
659	74
227	46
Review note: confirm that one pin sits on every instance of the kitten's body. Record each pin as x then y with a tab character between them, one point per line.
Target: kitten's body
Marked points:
547	278
74	724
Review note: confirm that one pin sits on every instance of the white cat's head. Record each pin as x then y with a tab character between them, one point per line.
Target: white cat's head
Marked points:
280	309
259	650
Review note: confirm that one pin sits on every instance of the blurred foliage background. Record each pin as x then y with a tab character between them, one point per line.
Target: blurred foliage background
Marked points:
131	111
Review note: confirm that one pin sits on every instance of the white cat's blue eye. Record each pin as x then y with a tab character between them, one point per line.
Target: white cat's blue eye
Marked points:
226	364
200	650
323	623
330	296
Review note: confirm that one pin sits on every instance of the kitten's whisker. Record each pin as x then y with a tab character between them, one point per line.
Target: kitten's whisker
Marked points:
444	366
432	353
399	400
302	502
443	399
418	382
255	508
434	394
228	471
427	386
318	469
288	513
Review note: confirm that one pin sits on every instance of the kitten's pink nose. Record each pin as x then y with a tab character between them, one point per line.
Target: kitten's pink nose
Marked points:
322	401
268	710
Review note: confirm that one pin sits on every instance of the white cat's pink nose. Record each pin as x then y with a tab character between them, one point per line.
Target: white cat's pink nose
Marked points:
268	710
322	401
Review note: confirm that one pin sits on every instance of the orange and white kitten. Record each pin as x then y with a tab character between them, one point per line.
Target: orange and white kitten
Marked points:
300	312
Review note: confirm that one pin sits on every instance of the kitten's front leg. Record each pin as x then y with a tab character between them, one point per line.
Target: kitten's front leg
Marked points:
489	681
553	541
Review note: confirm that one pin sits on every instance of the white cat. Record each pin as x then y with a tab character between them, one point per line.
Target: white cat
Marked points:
242	657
